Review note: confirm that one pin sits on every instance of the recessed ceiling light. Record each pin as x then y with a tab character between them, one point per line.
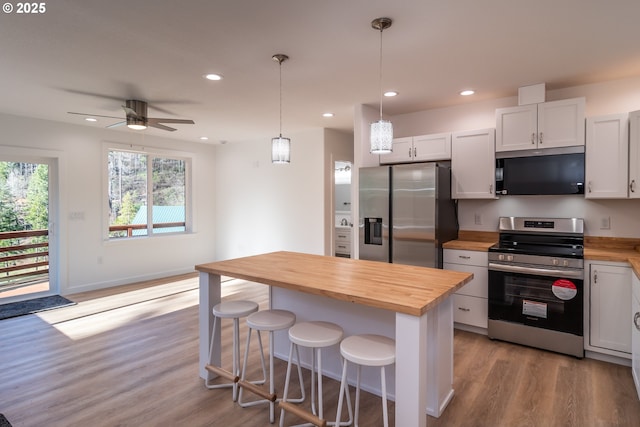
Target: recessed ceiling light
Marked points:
327	115
204	138
91	119
391	93
213	76
467	92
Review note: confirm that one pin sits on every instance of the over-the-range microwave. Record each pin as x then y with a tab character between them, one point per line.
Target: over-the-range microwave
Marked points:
540	172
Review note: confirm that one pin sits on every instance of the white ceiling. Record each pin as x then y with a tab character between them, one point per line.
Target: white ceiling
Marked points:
158	50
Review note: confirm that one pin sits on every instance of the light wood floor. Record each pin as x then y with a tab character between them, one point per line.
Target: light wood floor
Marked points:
128	356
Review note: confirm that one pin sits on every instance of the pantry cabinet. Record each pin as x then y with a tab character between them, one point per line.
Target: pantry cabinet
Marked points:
607	157
421	148
473	166
547	125
470	303
609	308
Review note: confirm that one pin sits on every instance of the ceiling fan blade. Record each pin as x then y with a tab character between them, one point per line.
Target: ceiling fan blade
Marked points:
182	121
98	95
93	115
159	126
117	124
130	111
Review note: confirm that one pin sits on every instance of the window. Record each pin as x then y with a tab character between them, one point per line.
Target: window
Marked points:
147	194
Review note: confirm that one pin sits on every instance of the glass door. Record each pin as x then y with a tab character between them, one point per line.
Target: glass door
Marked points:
24	230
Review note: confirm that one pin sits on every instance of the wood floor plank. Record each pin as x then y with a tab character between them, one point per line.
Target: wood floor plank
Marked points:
128	356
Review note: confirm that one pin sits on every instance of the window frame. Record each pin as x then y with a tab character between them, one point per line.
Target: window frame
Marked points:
151	153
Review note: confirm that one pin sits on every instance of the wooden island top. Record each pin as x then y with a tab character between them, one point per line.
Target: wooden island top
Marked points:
400	288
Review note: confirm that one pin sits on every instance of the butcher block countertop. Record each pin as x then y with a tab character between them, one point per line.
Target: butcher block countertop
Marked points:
400	288
473	241
616	249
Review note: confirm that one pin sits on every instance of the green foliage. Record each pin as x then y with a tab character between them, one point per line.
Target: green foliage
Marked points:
128	209
37	212
23	203
9	220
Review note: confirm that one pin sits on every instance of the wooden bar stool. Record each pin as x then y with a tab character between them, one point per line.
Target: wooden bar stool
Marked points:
366	350
232	310
316	336
270	321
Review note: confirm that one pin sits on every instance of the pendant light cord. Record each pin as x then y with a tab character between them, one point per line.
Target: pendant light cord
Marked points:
381	29
280	63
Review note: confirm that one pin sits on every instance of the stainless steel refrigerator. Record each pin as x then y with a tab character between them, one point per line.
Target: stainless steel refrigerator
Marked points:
406	213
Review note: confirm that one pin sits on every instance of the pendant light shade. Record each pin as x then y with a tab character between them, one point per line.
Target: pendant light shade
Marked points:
280	146
280	150
381	135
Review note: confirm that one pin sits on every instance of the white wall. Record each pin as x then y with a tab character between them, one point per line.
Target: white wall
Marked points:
87	260
262	207
604	98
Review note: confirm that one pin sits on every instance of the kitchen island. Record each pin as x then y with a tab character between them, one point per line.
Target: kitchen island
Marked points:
410	293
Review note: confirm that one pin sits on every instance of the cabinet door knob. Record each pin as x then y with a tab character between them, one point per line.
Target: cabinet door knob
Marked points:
636	317
632	186
589	186
541	135
464	257
533	138
415	152
464	309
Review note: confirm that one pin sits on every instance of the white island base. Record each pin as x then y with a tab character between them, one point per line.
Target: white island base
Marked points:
360	319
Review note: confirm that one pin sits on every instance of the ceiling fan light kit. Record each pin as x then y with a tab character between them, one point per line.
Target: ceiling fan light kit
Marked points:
280	146
381	134
136	112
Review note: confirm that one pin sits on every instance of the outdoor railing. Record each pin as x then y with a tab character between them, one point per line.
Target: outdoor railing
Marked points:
129	228
24	257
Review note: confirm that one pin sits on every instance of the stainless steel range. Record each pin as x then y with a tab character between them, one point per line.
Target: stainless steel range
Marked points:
536	288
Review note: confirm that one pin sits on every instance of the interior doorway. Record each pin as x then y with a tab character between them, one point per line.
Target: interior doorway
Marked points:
343	214
25	238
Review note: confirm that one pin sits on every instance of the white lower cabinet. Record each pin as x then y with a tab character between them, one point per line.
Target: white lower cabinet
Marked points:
609	291
470	305
635	331
342	239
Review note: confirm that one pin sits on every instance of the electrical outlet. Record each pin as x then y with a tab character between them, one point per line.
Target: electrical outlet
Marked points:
605	223
478	219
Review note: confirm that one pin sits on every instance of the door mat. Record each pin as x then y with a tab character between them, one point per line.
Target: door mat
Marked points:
31	306
4	422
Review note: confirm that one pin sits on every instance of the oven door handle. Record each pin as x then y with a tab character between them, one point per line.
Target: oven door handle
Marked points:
573	274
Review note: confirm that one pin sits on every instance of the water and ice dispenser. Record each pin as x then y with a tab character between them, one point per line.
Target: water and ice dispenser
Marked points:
373	231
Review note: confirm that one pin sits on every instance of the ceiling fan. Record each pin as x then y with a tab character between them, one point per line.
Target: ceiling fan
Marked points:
136	117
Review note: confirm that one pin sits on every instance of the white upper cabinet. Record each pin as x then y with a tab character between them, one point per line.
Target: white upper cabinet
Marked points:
419	149
516	128
607	157
473	164
634	155
547	125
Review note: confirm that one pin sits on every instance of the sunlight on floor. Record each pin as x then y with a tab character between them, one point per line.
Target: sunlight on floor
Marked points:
116	316
84	327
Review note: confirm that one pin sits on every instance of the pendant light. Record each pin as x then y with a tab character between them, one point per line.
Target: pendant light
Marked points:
280	147
381	136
